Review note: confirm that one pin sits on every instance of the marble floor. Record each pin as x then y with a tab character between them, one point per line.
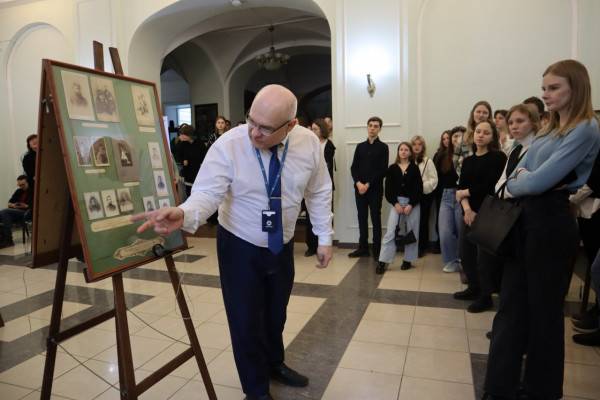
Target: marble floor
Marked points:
357	335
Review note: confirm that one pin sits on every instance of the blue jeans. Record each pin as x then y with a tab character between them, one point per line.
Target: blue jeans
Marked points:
8	217
449	225
388	243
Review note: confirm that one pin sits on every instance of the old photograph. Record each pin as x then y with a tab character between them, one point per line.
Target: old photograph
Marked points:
105	100
160	183
109	199
155	158
162	203
83	149
126	160
93	205
100	152
149	203
124	200
142	103
77	96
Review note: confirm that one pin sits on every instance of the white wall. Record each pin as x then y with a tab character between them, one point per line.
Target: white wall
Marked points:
430	60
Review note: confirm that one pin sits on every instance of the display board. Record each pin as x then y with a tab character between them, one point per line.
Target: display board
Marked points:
116	164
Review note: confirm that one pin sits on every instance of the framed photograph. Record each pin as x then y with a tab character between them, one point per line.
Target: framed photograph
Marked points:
142	104
126	160
124	200
160	183
162	203
77	95
155	158
83	149
100	152
93	205
149	203
105	101
109	198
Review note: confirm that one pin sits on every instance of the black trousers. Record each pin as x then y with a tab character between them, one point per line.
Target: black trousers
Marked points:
256	287
370	201
426	202
483	269
530	318
589	230
311	240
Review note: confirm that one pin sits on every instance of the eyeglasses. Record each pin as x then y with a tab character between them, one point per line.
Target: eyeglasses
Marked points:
264	130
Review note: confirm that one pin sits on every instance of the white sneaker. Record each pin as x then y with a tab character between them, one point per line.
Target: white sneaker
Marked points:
452	266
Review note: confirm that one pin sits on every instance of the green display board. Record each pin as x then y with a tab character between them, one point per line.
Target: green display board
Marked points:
116	162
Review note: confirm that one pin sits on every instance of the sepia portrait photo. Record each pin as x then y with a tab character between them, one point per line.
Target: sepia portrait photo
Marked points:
124	154
149	204
126	160
105	101
109	199
162	203
160	183
77	96
124	200
83	149
142	103
100	152
93	205
155	158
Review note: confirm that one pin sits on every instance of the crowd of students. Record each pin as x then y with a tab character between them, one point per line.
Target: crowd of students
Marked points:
546	162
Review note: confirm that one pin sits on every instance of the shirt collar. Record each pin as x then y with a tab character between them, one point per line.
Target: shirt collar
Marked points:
526	141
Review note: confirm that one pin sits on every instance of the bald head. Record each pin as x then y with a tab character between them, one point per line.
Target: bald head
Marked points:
275	103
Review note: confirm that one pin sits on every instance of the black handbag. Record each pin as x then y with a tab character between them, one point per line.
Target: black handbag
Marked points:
494	223
406	239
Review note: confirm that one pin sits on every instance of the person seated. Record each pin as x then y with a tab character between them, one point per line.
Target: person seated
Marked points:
18	210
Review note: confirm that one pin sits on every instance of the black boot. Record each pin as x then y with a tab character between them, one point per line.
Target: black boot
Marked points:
482	304
588	339
405	265
380	268
360	252
467	294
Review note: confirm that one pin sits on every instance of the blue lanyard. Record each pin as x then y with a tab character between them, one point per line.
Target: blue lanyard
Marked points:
262	168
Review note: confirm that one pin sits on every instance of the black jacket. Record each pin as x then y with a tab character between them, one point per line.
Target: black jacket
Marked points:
406	184
370	163
329	154
193	154
29	166
16	197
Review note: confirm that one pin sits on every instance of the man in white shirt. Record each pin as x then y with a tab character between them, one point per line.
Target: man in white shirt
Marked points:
256	176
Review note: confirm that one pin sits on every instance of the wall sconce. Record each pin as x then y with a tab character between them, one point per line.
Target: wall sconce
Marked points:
370	85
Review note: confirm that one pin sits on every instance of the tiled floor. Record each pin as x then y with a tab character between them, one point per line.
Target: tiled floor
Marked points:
357	335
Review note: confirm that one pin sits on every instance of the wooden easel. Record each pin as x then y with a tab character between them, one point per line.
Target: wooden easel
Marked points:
128	388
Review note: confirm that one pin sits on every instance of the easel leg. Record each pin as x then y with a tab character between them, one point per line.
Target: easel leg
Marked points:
1	321
189	327
126	372
59	295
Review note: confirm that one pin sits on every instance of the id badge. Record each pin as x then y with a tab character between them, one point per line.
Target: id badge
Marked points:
269	220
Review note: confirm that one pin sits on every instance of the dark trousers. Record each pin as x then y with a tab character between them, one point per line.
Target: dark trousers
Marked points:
311	240
530	317
256	287
483	270
589	229
8	217
426	202
370	201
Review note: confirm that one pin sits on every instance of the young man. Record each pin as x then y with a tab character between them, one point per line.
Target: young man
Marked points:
368	169
18	209
257	175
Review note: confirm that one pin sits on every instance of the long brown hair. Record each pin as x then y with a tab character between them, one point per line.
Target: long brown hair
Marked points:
471	124
411	158
320	122
494	145
444	154
580	104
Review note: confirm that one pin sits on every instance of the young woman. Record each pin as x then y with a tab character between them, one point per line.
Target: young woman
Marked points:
450	213
320	128
478	178
28	161
506	142
530	318
430	182
480	112
403	189
220	129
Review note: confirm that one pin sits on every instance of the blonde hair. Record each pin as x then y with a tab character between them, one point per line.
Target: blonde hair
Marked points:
419	157
529	110
580	104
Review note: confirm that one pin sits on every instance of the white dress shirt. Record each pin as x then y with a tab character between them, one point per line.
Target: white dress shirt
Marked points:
525	142
231	180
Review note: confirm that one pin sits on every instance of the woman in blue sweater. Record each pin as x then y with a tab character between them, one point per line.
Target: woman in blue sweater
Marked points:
530	318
